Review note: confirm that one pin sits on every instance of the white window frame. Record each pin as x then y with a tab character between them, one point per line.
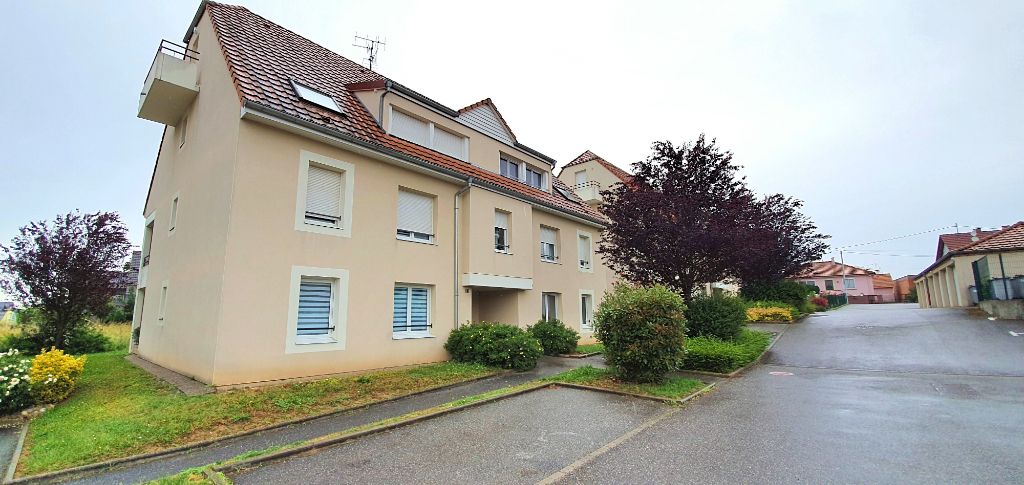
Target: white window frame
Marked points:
544	313
526	176
347	218
590	257
433	220
851	286
431	140
333	341
511	161
584	328
174	213
508	231
555	250
413	334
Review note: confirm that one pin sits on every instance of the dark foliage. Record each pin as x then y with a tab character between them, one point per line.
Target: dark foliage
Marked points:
779	240
787	291
643	330
83	339
66	269
716	316
494	344
554	337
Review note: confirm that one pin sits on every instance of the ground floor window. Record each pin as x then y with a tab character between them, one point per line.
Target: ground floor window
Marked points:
412	311
586	311
315	318
830	285
318	309
849	283
549	306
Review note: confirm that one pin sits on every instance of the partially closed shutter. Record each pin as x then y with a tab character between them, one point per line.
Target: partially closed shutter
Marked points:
409	128
548	235
584	251
314	308
449	143
415	212
400	322
501	219
324	193
418	308
581	177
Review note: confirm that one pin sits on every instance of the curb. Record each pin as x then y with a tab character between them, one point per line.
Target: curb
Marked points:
666	400
255	461
16	457
743	369
84	470
578	356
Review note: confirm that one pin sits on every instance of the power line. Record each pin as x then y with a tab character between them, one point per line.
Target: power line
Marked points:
877	253
901	237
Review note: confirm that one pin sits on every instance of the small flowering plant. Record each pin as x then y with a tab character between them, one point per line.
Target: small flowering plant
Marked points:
14	381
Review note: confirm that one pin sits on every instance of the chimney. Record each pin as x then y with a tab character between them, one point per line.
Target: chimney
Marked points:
974	234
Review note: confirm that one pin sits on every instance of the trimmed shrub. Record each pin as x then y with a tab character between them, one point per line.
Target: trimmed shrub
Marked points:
794	311
820	303
789	292
14	382
53	375
643	330
770	314
716	355
554	337
716	316
494	344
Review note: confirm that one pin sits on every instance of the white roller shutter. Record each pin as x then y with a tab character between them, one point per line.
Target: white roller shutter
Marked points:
449	143
324	194
584	252
415	212
501	219
548	235
409	128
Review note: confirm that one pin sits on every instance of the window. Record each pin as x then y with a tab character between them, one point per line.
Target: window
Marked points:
509	168
317	310
534	178
163	302
501	231
318	98
315	320
849	284
412	312
415	217
425	133
586	310
147	243
549	306
174	213
584	252
548	244
181	130
830	285
324	196
581	177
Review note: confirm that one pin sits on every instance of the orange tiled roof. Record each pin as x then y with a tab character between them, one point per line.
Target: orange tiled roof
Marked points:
1006	239
589	155
829	268
883	281
263	58
958	241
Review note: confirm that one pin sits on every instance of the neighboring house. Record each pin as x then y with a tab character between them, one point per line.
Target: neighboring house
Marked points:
308	216
857	283
973	266
885	287
902	288
589	174
127	281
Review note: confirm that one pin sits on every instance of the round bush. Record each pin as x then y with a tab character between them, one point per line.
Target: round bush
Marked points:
716	316
554	337
643	330
494	344
54	375
14	382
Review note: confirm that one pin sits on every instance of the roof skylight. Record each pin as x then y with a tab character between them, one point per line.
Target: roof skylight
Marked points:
311	95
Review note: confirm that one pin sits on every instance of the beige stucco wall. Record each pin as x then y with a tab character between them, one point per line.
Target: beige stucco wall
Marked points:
190	260
595	173
949	283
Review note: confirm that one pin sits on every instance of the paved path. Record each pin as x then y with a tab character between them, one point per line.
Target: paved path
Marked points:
161	467
864	394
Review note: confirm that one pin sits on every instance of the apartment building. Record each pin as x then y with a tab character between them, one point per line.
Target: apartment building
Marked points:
308	216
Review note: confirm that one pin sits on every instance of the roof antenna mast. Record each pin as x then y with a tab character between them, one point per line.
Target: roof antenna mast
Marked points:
372	46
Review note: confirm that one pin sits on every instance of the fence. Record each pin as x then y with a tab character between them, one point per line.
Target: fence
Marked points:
836	300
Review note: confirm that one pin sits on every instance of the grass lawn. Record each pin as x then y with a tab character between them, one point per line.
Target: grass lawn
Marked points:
589	348
716	355
120	410
672	388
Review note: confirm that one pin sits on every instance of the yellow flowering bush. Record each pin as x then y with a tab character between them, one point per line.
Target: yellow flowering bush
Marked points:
53	375
769	314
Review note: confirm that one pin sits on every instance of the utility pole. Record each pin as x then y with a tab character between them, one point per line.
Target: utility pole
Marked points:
843	263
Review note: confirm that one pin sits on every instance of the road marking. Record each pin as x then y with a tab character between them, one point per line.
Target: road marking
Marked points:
576	465
779	373
1016	334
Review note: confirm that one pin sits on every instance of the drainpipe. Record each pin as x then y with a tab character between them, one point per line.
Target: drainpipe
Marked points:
455	270
380	110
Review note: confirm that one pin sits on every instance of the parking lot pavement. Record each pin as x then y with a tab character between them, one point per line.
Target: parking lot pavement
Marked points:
521	439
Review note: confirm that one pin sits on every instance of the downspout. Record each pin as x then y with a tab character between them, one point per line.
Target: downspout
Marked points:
455	269
380	110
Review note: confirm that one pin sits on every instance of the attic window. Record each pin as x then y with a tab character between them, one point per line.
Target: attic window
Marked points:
318	98
564	193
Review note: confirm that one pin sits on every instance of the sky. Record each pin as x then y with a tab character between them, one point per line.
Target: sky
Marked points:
887	118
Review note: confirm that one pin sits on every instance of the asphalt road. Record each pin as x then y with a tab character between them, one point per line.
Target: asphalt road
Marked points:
864	394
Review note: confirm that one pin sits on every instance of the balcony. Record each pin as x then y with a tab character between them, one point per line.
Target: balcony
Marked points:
590	192
171	85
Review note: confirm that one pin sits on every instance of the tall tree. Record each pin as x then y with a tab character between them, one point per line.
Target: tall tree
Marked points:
779	241
678	222
66	269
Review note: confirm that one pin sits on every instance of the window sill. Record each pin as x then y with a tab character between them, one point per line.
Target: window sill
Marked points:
551	261
314	339
410	335
499	251
412	239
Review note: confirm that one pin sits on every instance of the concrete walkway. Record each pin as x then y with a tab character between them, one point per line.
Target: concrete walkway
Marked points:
169	465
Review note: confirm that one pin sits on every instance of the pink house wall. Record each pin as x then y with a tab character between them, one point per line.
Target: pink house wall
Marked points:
863	284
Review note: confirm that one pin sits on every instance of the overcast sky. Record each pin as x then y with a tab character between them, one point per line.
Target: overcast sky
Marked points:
887	118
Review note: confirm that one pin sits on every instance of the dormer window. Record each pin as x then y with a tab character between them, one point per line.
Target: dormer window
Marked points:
428	134
509	168
534	178
318	98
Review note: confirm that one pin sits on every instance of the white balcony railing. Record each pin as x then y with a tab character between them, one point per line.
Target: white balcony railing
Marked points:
590	192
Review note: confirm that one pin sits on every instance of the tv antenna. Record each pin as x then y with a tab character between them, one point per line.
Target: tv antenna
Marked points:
372	46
